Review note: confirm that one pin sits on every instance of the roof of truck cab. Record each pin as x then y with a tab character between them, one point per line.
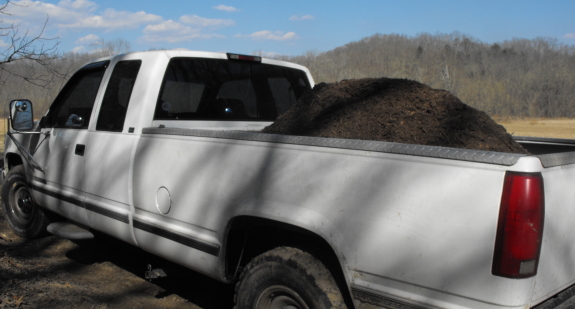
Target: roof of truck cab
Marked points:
202	54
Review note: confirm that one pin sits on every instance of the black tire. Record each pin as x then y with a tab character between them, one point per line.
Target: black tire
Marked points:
25	217
287	278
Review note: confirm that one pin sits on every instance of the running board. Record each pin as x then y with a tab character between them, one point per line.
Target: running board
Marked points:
68	230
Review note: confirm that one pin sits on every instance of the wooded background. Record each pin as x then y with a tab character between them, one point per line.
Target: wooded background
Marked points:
515	78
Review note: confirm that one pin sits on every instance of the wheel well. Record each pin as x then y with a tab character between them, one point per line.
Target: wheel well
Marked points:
12	160
248	237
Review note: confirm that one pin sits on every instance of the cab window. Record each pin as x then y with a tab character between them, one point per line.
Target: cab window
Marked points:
72	108
225	90
117	96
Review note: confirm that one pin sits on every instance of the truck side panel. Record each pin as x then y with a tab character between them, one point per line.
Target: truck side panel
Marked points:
390	218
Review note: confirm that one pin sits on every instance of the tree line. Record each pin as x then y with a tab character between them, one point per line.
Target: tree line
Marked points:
515	78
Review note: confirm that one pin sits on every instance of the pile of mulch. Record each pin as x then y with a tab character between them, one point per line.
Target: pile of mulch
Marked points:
393	110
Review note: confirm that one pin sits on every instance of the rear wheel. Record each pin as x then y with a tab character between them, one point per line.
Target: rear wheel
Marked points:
287	278
25	217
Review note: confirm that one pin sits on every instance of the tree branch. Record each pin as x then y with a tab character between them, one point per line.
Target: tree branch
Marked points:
33	51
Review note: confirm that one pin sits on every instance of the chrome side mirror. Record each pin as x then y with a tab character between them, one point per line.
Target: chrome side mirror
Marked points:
21	116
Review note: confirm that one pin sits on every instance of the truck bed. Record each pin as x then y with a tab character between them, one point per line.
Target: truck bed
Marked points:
415	208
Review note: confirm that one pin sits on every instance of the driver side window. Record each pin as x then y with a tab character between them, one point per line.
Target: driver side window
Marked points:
72	108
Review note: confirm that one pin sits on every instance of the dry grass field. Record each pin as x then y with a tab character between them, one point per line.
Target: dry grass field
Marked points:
540	127
2	133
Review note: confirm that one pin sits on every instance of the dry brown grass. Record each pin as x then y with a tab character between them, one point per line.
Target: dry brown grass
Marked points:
2	133
540	127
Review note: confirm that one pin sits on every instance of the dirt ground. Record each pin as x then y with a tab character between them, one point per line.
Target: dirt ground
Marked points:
105	273
393	110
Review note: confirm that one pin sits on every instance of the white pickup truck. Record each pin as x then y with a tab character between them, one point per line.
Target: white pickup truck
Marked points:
162	150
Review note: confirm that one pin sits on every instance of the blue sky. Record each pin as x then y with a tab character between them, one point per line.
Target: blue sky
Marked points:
286	27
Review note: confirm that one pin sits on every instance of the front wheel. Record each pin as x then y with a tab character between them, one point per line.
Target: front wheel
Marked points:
25	217
287	278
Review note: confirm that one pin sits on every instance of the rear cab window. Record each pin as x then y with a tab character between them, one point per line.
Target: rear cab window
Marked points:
224	90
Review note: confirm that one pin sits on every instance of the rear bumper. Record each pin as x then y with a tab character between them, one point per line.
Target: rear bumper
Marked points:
563	300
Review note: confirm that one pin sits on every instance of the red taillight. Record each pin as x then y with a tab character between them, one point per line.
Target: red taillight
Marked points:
244	57
520	227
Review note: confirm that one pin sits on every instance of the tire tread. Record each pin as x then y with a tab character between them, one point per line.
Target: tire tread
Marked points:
299	260
37	228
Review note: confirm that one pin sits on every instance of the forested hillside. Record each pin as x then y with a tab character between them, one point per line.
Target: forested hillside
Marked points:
515	78
518	78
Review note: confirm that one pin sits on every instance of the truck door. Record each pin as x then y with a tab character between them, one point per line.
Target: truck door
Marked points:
59	186
108	158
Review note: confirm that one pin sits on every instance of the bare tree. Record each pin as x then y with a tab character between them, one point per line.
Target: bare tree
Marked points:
109	48
34	54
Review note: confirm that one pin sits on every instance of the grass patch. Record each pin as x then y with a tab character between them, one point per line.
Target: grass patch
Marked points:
540	127
2	133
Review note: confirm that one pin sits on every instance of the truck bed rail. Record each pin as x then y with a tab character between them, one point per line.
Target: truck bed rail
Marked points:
490	157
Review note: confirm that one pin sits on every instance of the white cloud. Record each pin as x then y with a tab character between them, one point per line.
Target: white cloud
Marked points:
268	35
569	36
301	17
24	11
90	38
85	15
114	20
155	37
226	8
266	54
172	32
198	21
4	44
78	4
75	14
79	49
188	28
168	26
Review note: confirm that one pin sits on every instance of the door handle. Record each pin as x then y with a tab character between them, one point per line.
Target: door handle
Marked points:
80	149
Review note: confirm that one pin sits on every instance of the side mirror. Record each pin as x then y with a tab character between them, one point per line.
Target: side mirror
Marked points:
21	116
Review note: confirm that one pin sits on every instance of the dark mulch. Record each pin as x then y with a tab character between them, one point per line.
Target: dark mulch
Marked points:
393	110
